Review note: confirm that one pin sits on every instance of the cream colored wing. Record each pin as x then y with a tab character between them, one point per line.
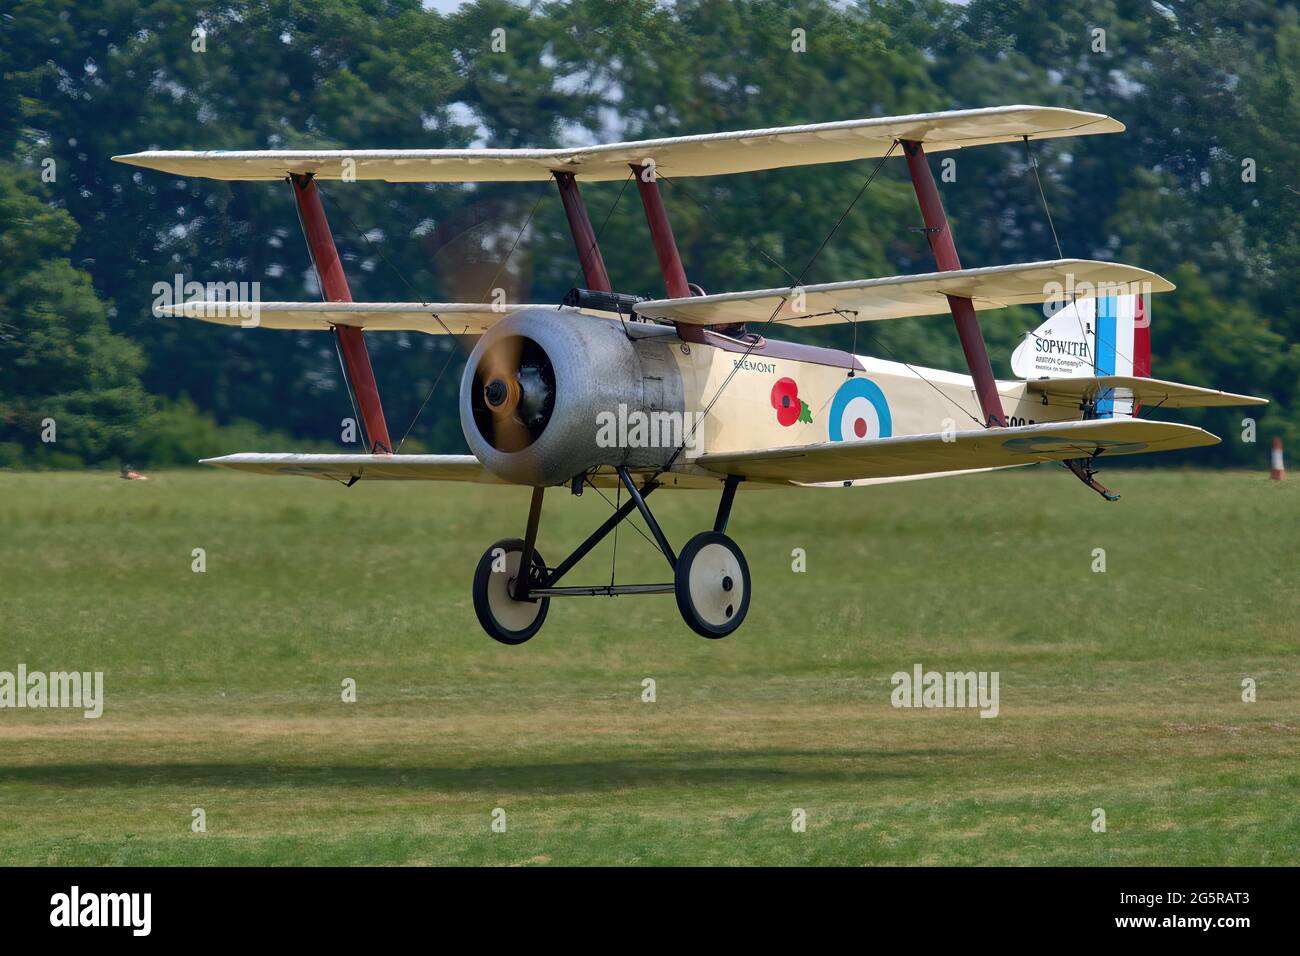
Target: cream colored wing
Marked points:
370	467
1148	391
963	451
434	318
900	297
709	154
346	468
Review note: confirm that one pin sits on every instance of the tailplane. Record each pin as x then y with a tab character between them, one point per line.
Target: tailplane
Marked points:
1096	353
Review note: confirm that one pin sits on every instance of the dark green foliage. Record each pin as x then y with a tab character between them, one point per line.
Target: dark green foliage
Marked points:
1204	88
69	388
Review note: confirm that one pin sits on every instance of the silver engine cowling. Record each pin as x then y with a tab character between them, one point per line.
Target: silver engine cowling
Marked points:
542	387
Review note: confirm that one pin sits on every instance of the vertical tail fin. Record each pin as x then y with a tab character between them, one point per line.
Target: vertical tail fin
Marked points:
1142	336
1110	335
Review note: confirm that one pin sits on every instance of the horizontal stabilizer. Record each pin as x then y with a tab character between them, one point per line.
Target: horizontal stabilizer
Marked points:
710	154
966	450
899	297
1150	392
435	318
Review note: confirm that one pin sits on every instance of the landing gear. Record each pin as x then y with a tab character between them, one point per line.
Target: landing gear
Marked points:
504	617
712	584
710	577
1083	470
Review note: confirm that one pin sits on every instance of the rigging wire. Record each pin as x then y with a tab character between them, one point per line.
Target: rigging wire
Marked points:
595	241
847	209
911	369
388	262
347	384
775	312
451	354
1033	165
592	485
511	251
451	351
753	244
419	298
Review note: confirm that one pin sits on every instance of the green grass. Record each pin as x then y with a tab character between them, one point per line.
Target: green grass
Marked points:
1118	690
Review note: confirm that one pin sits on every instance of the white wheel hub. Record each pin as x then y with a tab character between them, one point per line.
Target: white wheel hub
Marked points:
509	613
716	584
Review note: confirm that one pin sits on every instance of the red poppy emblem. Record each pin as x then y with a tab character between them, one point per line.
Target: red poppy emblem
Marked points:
785	399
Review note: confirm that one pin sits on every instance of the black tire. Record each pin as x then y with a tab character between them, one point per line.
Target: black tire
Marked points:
710	607
505	619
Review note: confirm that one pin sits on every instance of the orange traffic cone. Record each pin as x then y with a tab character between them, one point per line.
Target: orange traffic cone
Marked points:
1277	472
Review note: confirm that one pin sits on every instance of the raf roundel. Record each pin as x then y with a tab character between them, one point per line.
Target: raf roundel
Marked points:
859	410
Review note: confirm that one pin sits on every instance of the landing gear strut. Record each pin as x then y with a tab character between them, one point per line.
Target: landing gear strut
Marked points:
1083	470
710	577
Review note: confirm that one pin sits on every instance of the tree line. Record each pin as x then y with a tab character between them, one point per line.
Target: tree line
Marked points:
1202	188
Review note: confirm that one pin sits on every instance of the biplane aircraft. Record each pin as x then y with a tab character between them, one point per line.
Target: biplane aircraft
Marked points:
611	389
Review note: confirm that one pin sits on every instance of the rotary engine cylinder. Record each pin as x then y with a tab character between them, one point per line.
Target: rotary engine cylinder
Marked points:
549	394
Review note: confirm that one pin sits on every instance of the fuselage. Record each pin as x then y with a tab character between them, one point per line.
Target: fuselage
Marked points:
547	395
776	394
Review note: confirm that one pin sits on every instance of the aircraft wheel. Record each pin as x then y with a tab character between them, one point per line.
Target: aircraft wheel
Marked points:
505	619
712	584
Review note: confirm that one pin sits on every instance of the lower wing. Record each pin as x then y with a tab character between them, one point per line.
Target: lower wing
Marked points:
349	469
870	461
964	451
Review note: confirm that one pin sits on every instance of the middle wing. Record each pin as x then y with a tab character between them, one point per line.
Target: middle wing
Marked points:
962	451
898	297
434	318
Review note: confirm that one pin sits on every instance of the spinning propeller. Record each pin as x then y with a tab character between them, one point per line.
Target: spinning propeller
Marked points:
514	385
514	393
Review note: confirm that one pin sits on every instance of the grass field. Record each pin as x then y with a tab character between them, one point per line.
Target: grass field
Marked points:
1119	690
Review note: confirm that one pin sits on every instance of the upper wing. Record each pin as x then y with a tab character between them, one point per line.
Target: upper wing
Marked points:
925	454
435	318
897	297
710	154
1147	391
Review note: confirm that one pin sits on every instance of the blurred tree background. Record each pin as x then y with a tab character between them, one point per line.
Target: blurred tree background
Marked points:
1202	189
